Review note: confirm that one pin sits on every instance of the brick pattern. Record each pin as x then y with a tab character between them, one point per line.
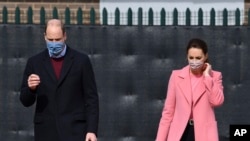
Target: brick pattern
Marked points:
247	7
84	1
36	7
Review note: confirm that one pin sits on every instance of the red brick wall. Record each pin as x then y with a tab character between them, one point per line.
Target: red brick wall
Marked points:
81	1
247	6
48	6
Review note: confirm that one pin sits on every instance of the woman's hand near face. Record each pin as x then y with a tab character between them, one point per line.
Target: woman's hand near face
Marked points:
207	70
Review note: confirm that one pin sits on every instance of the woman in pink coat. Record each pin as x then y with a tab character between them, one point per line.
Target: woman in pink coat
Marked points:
193	92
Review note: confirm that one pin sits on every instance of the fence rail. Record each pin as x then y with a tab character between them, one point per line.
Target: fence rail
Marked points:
140	17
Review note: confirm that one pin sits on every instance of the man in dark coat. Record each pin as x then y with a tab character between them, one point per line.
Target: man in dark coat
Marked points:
61	82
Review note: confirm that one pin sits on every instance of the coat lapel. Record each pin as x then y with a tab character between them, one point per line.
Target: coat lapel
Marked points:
68	60
48	65
199	91
185	85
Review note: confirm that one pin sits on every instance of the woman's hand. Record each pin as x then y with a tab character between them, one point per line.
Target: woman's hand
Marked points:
207	71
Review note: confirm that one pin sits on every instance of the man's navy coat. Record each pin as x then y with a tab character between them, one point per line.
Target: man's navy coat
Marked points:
66	108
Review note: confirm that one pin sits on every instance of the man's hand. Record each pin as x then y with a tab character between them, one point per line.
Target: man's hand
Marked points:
91	137
33	81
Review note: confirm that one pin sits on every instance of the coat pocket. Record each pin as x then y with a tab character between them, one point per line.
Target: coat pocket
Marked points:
79	124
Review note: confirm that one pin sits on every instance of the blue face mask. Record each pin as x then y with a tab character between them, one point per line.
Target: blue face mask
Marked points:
55	48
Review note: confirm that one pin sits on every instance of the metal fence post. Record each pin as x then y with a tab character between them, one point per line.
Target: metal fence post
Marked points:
67	15
175	17
55	13
225	20
212	17
117	16
130	17
5	15
17	15
92	16
104	17
79	16
150	17
140	16
237	17
248	15
42	16
163	17
30	15
200	17
188	17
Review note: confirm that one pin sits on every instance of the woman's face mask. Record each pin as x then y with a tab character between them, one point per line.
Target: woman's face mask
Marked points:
195	64
196	58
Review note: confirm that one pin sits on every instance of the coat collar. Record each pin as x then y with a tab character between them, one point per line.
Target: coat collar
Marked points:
67	63
185	86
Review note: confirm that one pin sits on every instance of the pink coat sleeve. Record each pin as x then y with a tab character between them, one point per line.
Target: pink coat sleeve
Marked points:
215	88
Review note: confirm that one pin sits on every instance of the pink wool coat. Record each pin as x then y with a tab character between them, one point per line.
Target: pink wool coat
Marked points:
177	108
